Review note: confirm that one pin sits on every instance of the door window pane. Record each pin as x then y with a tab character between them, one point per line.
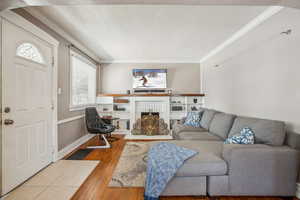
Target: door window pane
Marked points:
30	52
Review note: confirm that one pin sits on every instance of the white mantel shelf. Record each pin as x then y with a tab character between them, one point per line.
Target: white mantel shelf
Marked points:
153	95
129	108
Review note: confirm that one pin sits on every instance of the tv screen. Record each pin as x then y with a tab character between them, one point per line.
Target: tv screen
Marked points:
149	78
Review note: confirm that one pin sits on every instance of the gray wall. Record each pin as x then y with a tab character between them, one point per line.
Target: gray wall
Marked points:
0	103
75	129
67	133
182	77
264	80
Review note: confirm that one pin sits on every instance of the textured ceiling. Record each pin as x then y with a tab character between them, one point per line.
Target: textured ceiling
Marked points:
150	33
6	4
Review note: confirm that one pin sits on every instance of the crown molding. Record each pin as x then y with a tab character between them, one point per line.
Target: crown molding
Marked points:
268	13
8	4
149	61
38	15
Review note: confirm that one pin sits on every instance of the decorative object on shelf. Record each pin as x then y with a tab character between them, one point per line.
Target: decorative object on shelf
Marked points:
128	92
169	92
128	124
195	100
118	125
177	108
194	108
115	107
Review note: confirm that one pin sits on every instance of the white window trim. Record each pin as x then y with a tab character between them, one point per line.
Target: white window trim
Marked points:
87	61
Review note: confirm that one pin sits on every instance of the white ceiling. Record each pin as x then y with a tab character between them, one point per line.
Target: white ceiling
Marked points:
151	33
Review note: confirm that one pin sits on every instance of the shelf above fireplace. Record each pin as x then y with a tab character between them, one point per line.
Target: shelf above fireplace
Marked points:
153	94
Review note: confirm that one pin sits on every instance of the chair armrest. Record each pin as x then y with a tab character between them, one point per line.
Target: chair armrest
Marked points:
262	169
106	121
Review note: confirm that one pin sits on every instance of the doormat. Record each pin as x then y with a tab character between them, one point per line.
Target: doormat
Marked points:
79	154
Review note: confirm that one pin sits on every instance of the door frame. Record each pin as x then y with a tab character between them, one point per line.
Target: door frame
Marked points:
29	27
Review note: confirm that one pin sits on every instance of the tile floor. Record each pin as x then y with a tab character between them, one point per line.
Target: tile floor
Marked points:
58	181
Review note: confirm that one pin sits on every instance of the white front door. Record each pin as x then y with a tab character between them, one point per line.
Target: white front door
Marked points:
27	113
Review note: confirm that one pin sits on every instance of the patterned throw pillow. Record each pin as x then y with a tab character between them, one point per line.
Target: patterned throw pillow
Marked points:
246	136
193	119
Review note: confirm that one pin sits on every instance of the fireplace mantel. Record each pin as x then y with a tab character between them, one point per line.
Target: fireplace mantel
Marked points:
129	108
152	95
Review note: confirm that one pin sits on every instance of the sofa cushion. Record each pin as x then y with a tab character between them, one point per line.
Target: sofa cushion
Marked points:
266	131
229	148
178	128
293	140
195	135
207	117
208	162
183	128
221	124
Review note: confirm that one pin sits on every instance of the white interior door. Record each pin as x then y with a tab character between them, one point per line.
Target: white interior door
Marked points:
27	105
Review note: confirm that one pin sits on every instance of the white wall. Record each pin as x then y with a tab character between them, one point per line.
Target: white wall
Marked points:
259	75
181	77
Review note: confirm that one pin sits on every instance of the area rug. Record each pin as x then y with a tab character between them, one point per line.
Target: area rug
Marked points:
132	165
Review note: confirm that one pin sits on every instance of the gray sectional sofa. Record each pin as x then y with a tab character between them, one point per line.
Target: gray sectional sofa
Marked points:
269	167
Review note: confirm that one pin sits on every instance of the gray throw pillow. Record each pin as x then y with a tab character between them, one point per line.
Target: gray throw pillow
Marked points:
266	131
221	124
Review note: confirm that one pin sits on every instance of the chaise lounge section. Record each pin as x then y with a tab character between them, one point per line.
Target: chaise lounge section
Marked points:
267	168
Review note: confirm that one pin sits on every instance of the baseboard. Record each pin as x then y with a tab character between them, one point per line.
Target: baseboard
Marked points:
298	191
71	147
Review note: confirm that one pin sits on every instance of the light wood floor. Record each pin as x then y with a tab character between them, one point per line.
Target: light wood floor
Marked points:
96	185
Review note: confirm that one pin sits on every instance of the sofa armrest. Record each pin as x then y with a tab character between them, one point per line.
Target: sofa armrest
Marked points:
182	120
262	169
229	149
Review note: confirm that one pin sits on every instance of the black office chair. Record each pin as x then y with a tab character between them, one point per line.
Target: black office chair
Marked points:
95	125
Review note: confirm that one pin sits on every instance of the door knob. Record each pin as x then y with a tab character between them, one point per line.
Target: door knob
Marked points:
7	109
8	121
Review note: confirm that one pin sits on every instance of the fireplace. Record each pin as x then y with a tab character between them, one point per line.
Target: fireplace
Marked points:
150	124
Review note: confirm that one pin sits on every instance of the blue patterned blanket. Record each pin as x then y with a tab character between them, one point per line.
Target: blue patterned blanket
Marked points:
164	159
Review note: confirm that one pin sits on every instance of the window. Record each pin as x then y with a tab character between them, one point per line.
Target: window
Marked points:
83	81
29	51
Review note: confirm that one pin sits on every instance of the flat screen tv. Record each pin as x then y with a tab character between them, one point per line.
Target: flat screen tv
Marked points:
149	78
